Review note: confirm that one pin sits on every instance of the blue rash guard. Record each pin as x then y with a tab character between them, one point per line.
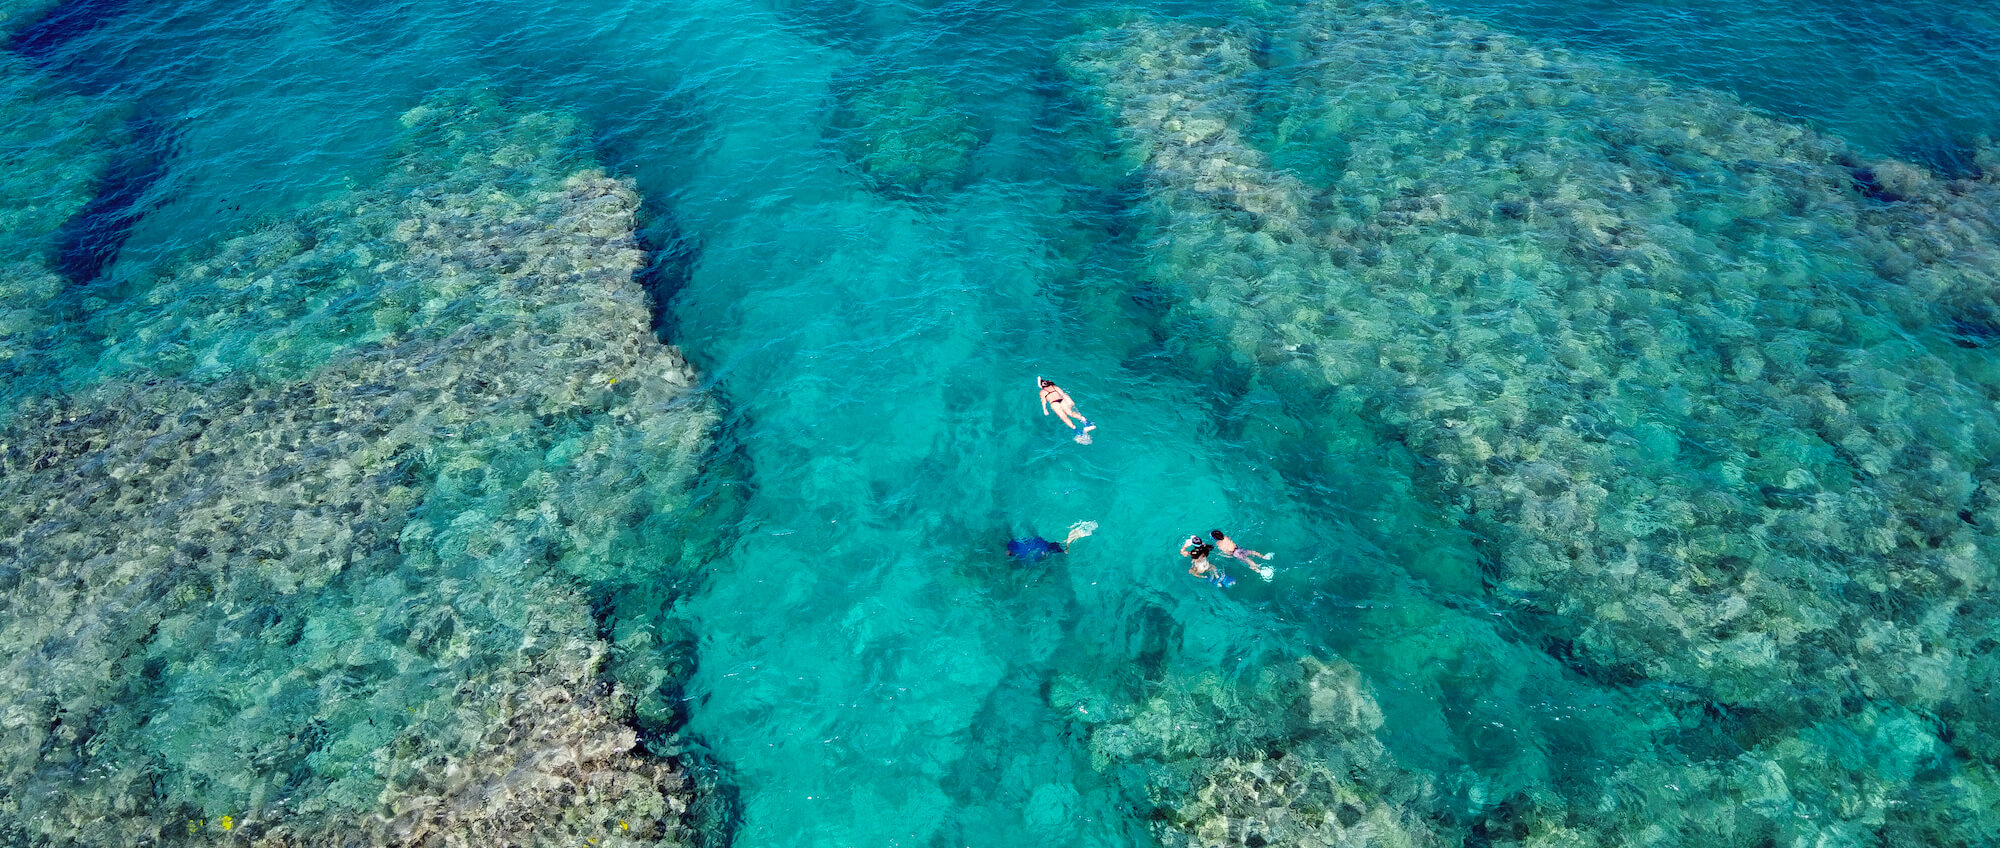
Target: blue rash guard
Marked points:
1032	549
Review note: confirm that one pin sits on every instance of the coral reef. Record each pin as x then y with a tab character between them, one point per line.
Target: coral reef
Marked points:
907	133
458	210
1715	392
1287	759
320	576
552	768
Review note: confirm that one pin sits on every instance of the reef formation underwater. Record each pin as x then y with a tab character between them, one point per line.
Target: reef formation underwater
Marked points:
1717	391
343	596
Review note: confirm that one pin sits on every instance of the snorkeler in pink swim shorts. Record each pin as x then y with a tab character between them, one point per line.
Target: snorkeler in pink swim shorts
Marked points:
1229	547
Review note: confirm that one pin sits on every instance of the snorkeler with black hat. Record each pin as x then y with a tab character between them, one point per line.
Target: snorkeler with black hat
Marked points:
1197	552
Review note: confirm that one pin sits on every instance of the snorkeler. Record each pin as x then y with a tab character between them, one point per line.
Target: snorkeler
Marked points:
1033	548
1053	397
1229	547
1197	552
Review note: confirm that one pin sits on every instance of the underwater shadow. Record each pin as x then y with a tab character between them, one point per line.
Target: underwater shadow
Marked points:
1949	155
90	240
671	253
39	42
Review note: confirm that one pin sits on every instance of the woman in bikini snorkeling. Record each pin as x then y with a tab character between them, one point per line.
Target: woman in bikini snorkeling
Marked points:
1054	398
1197	552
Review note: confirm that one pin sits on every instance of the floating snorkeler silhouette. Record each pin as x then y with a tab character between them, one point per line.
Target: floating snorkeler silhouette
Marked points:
1032	549
1054	398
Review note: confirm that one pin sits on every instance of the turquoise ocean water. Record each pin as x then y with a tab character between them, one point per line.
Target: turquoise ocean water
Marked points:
460	423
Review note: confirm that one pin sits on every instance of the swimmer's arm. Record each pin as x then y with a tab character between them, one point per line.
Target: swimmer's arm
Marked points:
1045	403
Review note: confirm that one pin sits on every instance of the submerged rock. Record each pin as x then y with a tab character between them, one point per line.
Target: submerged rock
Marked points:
1289	759
907	133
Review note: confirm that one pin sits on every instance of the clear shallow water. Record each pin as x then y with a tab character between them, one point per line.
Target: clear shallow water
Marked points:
854	659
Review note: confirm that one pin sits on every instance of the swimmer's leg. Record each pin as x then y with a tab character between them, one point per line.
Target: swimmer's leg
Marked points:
1243	554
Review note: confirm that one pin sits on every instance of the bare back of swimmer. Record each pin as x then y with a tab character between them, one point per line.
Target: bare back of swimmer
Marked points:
1229	547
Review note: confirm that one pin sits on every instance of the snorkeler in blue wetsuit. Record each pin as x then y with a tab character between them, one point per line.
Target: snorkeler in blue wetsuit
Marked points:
1032	549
